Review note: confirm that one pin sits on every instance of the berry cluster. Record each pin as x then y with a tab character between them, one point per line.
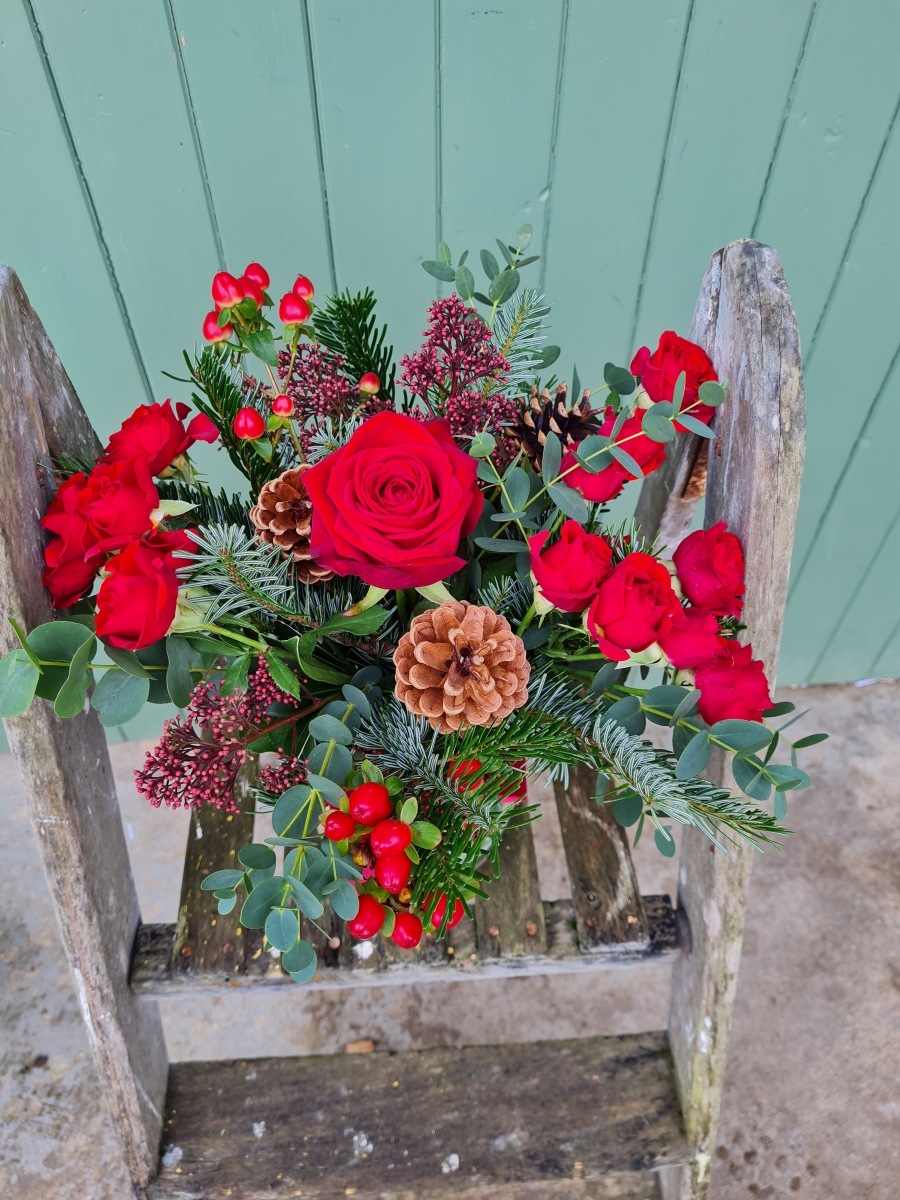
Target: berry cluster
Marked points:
379	843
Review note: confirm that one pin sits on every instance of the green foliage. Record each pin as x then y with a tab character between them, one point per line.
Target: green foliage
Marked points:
347	326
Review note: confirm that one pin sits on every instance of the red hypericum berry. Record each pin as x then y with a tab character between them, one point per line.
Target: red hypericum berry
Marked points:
248	424
339	826
283	406
370	383
370	803
392	872
226	290
368	920
407	930
438	915
212	331
303	287
293	310
258	274
389	838
252	290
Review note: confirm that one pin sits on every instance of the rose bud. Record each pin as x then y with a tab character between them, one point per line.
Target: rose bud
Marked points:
252	290
389	838
438	915
293	310
283	406
248	424
226	290
368	920
258	274
392	872
339	826
370	383
407	931
213	332
370	803
303	288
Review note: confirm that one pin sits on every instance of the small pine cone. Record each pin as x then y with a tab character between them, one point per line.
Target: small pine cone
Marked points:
283	517
461	664
548	414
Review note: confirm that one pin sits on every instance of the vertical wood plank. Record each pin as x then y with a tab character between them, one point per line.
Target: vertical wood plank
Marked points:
605	891
64	765
754	485
205	940
375	66
272	118
717	159
511	922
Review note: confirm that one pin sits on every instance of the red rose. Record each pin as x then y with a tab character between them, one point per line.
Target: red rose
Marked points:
733	687
136	601
392	504
710	568
634	607
696	641
118	499
156	433
68	575
659	373
570	571
608	483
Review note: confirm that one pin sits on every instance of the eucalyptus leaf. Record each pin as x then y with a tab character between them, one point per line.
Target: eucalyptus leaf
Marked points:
627	810
740	735
309	904
664	699
55	641
465	283
811	739
329	729
665	843
178	676
694	426
523	238
439	270
127	660
444	254
367	676
551	458
70	698
604	679
339	762
695	756
489	264
358	699
711	393
620	420
517	490
624	458
300	962
266	895
18	679
221	879
502	545
779	806
657	427
286	813
226	904
618	379
327	788
547	357
505	251
483	445
678	391
119	697
569	501
282	928
344	899
746	772
503	286
623	710
256	856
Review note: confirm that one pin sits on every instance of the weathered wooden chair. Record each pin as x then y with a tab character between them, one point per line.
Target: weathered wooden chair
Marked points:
626	1114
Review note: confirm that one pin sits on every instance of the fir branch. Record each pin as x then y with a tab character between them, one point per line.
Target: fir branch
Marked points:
222	384
346	325
518	332
209	508
510	595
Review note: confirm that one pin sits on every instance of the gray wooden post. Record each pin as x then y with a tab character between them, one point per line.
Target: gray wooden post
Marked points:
745	321
65	765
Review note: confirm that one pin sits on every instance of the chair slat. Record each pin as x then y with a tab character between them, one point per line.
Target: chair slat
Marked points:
511	921
605	892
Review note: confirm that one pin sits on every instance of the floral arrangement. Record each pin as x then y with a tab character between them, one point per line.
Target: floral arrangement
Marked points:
416	606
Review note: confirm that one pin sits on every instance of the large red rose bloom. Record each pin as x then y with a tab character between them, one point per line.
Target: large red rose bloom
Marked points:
659	373
608	483
137	600
634	607
710	566
156	433
695	641
68	575
734	687
393	504
570	571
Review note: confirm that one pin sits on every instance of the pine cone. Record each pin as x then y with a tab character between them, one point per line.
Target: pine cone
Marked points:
461	664
548	415
283	517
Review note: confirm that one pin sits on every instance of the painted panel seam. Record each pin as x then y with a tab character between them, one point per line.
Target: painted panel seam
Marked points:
87	194
786	112
439	128
659	181
320	149
554	139
195	134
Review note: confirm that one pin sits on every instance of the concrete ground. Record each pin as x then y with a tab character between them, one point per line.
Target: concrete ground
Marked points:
811	1105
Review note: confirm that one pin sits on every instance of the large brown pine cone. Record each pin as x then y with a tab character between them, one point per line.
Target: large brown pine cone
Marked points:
552	415
283	517
461	664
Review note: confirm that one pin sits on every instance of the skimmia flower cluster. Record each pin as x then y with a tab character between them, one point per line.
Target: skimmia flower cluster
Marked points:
415	606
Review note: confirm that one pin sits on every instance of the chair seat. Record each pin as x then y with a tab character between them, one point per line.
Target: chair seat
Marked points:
592	1117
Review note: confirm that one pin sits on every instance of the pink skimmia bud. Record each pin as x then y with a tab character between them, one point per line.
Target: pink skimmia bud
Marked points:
293	310
303	288
283	406
248	424
212	331
226	290
370	383
258	274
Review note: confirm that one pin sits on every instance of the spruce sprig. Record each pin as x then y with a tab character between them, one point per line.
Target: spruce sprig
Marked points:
347	325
